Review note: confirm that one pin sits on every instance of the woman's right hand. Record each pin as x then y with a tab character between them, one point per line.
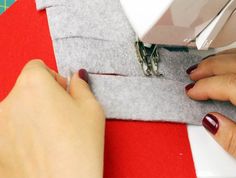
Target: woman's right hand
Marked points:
47	132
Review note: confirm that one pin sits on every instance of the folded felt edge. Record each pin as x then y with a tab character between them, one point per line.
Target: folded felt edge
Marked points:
151	99
43	4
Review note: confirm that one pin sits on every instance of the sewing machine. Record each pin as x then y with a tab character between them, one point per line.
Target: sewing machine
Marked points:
200	24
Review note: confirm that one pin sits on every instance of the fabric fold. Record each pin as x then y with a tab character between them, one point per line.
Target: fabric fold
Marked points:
151	99
99	56
42	4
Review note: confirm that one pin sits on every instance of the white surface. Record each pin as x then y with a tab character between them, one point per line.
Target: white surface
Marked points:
210	160
144	14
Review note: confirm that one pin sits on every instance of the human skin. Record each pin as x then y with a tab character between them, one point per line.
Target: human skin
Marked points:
215	78
46	132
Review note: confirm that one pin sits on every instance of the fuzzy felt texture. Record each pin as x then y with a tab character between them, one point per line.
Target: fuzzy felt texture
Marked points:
97	36
132	149
96	19
151	99
42	4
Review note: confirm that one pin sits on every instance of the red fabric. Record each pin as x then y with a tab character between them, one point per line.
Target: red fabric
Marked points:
133	149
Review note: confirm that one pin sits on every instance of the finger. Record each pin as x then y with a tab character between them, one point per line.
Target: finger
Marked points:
214	65
34	63
33	69
38	64
61	80
222	87
79	86
223	131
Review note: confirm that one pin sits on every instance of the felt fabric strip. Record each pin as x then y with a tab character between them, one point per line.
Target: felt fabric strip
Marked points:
42	4
96	19
132	149
99	56
96	56
149	99
96	35
136	97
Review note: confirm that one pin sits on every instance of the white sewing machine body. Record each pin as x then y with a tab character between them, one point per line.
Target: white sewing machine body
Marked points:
201	23
192	23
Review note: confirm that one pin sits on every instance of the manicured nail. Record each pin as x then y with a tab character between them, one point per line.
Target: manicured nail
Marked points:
189	86
191	69
83	74
211	123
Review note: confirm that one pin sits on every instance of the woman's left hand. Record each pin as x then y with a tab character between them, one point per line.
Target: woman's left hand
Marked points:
215	78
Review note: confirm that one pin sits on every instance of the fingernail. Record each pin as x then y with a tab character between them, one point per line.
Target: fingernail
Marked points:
211	123
83	74
189	86
191	69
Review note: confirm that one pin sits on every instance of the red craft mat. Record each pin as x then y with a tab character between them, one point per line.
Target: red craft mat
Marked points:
132	149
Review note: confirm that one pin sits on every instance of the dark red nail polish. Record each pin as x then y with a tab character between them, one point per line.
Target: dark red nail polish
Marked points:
191	69
211	123
189	86
83	74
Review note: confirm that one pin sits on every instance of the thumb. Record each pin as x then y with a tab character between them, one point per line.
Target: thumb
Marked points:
79	86
223	131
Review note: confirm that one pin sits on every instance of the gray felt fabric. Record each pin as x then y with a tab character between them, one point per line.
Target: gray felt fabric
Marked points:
96	35
96	19
96	56
119	58
42	4
148	99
